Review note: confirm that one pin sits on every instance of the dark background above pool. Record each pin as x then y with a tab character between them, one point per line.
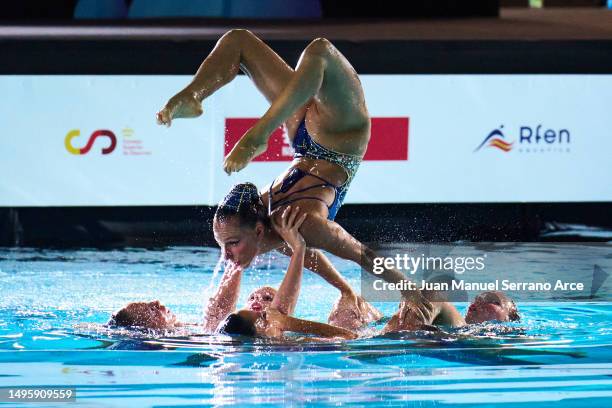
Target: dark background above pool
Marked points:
133	57
160	226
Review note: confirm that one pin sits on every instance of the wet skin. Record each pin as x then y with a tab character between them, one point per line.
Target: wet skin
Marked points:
325	91
260	299
491	306
151	315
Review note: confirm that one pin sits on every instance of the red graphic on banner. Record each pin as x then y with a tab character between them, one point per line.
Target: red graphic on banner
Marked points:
389	140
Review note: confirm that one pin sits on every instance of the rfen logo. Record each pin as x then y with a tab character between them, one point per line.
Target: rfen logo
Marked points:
496	139
103	133
531	140
388	140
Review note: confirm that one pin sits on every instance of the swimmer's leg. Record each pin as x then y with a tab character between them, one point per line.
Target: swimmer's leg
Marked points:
319	232
341	96
300	90
323	79
237	49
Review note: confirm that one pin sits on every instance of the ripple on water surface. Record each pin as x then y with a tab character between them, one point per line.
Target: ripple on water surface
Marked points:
54	305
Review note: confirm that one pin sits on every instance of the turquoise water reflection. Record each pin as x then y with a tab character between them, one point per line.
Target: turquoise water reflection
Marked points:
53	304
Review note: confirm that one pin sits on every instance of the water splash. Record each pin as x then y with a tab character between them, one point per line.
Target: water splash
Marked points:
208	292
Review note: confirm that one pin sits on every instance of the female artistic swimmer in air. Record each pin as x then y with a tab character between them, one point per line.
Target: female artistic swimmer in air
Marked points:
322	108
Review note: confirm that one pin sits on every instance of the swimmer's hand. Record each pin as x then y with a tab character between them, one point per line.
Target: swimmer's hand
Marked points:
184	104
253	143
352	312
288	227
275	322
274	317
414	313
368	312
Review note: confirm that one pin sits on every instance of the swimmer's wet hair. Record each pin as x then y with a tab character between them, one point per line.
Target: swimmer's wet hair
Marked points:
243	201
236	324
513	314
121	319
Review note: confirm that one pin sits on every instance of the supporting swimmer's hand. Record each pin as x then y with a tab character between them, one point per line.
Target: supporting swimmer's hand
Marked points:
274	316
275	322
289	225
415	313
182	105
368	312
251	144
352	312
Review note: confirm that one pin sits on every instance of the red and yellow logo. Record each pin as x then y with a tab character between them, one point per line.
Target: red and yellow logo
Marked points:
101	133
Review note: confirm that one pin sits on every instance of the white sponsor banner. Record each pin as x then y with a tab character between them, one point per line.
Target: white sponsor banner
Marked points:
544	138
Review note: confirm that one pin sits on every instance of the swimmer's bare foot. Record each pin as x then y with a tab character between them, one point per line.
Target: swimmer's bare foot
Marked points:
253	143
182	105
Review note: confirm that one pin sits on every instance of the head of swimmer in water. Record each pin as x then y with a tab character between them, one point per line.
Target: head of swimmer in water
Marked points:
250	321
240	223
260	299
148	315
244	322
492	305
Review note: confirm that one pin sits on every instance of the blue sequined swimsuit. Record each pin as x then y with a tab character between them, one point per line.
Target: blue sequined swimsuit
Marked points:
304	146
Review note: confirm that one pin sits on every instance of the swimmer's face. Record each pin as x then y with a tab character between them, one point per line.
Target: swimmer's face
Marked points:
151	315
239	244
260	299
489	306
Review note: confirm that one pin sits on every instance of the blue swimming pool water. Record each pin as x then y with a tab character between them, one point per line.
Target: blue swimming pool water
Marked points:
53	304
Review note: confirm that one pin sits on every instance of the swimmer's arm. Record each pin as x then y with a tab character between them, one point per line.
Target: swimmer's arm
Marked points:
287	295
288	228
224	301
316	261
296	325
292	324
